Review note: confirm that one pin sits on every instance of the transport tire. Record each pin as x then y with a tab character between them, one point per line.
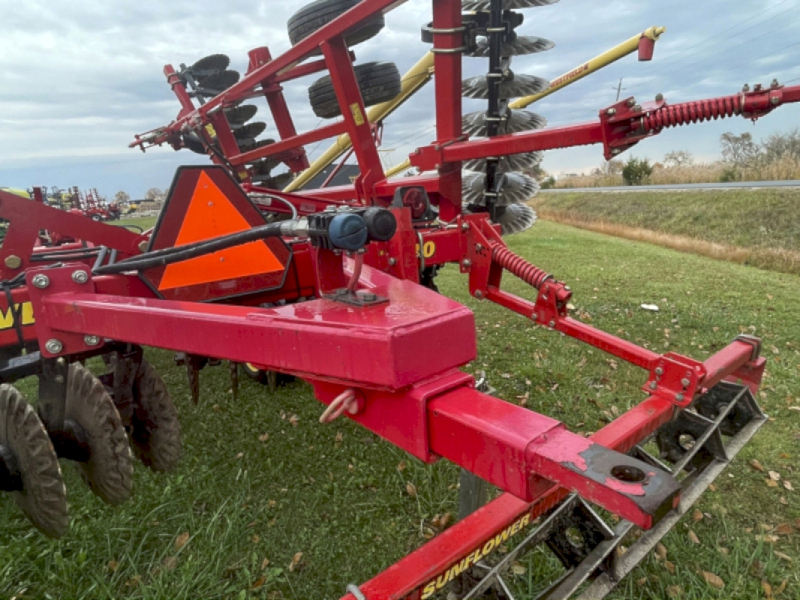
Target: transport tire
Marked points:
316	15
378	82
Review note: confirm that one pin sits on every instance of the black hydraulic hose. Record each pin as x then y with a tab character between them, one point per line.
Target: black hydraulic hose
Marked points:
167	256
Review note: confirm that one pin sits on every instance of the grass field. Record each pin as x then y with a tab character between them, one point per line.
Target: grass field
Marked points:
262	481
755	227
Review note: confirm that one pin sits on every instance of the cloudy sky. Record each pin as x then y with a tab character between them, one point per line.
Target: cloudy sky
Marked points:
78	79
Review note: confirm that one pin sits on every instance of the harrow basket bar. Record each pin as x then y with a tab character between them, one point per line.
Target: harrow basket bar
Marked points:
603	563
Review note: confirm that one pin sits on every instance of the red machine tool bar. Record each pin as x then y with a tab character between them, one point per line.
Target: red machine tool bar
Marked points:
405	579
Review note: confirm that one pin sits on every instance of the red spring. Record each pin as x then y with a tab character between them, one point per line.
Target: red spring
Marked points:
693	112
519	266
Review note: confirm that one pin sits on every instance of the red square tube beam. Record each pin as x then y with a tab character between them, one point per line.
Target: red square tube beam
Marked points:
524	452
469	539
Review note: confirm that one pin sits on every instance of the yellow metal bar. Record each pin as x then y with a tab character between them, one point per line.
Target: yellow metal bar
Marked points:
593	65
398	168
416	77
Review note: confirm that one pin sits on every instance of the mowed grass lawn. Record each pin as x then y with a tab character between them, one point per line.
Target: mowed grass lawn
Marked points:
262	481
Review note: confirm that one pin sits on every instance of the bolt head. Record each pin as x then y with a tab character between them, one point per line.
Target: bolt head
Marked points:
478	247
91	340
54	346
775	101
653	385
611	112
637	108
479	294
775	83
631	102
552	323
659	97
679	397
466	263
392	262
80	277
143	246
659	371
685	382
40	281
13	261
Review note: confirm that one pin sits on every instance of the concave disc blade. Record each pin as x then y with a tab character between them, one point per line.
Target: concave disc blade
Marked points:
109	470
507	4
474	124
43	497
516	218
213	62
219	81
521	46
241	114
251	130
517	188
521	85
512	162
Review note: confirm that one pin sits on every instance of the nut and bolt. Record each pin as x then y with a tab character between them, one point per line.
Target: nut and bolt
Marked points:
611	112
91	340
679	397
466	263
653	385
685	382
464	226
40	281
746	88
13	261
659	371
631	103
775	83
479	294
392	262
775	101
80	277
54	346
637	108
552	323
143	246
478	247
615	151
659	97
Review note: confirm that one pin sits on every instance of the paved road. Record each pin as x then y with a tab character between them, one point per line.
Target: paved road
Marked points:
686	186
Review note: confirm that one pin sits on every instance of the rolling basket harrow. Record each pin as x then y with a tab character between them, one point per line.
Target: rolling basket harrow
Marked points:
336	286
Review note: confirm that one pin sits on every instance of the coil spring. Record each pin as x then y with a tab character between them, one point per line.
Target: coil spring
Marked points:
520	267
693	112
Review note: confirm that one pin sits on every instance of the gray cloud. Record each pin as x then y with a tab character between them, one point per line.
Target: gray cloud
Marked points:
79	78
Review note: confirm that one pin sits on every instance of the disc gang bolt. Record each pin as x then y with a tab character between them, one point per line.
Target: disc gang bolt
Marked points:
54	346
80	277
40	281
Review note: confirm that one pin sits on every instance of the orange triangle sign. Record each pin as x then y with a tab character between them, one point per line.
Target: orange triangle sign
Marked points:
211	214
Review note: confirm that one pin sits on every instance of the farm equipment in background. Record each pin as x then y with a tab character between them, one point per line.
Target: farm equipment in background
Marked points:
337	286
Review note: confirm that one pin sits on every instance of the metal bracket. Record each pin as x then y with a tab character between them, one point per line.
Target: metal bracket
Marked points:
359	298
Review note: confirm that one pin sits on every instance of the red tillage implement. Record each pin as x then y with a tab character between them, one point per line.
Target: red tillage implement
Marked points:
341	293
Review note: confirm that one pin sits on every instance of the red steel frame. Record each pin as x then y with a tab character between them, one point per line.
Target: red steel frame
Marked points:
403	366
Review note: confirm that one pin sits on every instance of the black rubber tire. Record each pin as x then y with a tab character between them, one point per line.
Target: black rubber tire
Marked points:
156	429
378	82
109	470
314	16
43	498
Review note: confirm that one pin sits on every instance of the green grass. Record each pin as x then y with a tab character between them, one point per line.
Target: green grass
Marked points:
143	222
746	218
335	493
